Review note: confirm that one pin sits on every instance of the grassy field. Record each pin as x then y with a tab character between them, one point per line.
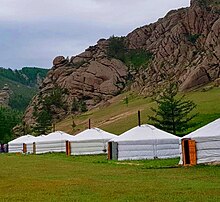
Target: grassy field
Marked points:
118	117
56	177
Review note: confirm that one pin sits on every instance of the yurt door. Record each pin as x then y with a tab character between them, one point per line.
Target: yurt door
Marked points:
189	152
112	151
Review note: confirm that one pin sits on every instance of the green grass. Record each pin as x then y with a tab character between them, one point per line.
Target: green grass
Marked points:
118	117
56	177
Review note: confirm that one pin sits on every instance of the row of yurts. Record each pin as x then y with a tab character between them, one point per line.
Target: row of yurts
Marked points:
141	142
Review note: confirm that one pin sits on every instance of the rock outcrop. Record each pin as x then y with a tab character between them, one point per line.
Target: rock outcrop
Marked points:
90	76
4	96
185	45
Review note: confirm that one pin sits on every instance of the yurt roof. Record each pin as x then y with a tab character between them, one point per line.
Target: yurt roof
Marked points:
93	134
22	139
144	132
209	130
54	136
34	139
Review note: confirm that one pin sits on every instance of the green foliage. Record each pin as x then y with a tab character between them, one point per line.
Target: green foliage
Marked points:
26	76
44	116
8	120
43	122
79	106
173	114
54	98
192	37
125	101
22	83
133	58
20	101
117	48
138	58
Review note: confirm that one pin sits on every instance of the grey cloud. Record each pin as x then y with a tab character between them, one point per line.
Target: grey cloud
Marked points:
33	32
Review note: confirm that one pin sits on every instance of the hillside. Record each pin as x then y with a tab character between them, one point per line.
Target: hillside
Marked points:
183	46
119	117
22	85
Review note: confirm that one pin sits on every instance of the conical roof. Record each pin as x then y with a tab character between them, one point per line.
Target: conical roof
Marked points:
210	130
93	134
22	139
144	132
54	136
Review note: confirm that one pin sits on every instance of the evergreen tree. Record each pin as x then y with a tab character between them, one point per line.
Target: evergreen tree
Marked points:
43	122
173	113
8	120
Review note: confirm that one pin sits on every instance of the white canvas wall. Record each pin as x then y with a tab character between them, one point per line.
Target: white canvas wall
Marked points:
146	142
50	146
89	147
53	142
90	141
147	150
207	140
16	145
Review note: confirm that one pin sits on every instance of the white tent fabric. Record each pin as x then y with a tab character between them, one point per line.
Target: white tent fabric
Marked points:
53	142
16	145
146	142
30	141
90	141
207	140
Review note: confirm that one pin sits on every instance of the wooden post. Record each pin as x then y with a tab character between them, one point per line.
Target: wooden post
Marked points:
24	148
68	148
109	150
34	148
89	123
54	127
139	118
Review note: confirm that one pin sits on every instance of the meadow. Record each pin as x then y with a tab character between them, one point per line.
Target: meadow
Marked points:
118	117
57	177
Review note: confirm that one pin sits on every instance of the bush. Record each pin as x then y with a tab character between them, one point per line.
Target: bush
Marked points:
133	58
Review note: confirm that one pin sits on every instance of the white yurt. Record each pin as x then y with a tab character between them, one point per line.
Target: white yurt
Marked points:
90	141
16	145
202	145
53	142
144	142
29	143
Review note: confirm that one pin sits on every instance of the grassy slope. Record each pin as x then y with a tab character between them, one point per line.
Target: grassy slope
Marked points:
60	178
118	117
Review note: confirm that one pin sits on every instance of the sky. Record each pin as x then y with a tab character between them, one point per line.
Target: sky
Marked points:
34	32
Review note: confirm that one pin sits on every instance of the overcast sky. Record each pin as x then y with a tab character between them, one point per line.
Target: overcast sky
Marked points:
33	32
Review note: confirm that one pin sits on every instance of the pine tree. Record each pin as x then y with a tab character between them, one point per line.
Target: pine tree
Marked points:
173	114
44	122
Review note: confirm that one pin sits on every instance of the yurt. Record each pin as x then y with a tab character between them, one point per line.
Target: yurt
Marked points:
144	142
53	142
28	144
90	141
202	145
16	145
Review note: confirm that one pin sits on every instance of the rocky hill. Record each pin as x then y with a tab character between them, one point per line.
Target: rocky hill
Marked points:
17	87
184	45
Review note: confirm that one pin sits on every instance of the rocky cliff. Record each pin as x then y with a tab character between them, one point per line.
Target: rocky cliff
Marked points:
185	45
4	96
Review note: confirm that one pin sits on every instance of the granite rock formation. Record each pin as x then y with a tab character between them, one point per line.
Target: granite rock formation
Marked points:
185	45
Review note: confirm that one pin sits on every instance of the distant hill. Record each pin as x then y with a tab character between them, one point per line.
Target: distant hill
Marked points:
23	85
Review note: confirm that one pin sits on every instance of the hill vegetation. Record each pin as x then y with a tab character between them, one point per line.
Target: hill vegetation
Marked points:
23	85
119	116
